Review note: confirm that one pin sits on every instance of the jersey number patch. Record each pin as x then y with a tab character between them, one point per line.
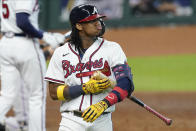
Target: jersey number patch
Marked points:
5	11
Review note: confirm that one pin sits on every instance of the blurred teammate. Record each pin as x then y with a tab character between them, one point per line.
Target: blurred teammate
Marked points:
87	103
19	121
22	59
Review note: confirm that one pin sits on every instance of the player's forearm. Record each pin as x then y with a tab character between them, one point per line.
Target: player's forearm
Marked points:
124	88
53	90
64	92
124	85
22	20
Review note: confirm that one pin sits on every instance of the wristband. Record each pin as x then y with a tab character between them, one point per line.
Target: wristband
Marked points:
116	95
75	91
60	90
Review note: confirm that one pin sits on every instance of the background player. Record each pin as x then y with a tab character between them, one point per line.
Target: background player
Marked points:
21	58
19	121
85	99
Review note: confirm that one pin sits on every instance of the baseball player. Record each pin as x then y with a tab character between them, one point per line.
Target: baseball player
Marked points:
19	122
22	58
87	103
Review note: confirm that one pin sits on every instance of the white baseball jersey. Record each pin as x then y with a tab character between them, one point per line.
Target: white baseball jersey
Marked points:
11	7
66	67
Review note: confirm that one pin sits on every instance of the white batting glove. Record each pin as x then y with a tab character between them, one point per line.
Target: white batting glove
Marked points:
53	39
67	36
59	37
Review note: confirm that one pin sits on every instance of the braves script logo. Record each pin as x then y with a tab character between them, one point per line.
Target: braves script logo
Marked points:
69	69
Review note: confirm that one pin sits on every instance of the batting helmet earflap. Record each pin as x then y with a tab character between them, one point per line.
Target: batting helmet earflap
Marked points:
84	13
103	28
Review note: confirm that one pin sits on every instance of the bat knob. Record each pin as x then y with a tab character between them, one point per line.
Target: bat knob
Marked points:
169	122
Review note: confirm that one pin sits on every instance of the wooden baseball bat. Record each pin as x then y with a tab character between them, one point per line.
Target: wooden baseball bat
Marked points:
140	103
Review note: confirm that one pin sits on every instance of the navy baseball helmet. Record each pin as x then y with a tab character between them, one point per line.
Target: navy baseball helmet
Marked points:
84	13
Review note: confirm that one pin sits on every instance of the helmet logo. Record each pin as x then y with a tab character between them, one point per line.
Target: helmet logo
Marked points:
94	11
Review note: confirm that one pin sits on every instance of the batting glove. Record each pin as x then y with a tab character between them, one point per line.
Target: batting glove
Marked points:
53	39
96	86
59	37
94	111
67	35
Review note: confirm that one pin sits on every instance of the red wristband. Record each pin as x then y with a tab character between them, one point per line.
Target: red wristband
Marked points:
123	93
112	98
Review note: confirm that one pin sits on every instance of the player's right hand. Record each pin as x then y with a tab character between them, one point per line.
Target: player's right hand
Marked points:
53	39
96	86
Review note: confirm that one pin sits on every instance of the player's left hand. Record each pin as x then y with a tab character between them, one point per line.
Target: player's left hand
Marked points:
94	111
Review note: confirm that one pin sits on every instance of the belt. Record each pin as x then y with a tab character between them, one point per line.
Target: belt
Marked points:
79	113
12	34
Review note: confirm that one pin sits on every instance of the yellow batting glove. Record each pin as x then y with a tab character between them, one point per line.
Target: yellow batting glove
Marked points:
94	111
96	86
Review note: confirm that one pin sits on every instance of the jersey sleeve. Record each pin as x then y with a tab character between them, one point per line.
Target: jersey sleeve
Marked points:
55	71
26	6
118	56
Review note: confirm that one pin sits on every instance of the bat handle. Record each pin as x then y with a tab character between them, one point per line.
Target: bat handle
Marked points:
165	119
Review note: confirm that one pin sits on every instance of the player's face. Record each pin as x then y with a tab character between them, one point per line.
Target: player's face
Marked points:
92	28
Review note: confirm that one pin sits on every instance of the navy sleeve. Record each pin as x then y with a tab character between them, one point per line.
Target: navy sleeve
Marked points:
22	20
126	85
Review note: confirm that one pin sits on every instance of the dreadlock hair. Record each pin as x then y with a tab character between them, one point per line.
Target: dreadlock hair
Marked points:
75	38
